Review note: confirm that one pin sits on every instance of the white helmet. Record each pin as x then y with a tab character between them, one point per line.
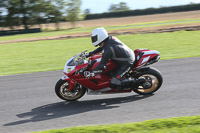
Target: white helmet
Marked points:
98	36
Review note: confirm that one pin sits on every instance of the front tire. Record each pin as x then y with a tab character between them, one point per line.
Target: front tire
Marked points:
153	82
62	91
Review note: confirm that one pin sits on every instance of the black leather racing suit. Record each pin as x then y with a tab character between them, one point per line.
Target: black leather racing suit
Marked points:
121	54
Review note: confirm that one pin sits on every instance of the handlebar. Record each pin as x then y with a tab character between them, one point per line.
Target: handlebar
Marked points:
83	54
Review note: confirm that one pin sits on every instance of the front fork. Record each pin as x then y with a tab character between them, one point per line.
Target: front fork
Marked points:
70	81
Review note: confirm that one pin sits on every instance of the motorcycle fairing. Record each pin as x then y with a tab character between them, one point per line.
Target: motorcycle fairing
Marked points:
102	81
144	56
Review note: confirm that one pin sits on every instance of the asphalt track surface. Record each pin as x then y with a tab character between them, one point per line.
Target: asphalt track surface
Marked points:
28	102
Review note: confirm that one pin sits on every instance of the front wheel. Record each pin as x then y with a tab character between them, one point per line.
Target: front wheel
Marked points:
62	91
153	81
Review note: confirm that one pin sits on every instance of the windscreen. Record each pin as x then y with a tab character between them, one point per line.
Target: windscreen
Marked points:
76	60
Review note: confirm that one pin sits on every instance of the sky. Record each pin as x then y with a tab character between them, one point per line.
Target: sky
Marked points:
100	6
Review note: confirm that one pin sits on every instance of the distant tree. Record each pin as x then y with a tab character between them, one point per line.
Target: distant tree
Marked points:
10	20
112	8
87	11
1	17
122	6
2	20
73	11
28	12
52	11
59	11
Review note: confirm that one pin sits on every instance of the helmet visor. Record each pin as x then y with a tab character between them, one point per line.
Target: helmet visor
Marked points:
94	38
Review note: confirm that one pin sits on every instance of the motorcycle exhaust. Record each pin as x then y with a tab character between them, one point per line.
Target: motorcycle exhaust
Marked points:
130	83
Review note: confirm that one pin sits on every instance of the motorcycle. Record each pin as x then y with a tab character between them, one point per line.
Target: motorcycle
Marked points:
76	82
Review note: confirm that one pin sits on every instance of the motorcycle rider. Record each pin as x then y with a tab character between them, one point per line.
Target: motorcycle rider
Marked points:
112	48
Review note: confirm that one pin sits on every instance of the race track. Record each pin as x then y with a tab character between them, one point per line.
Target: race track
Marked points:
28	102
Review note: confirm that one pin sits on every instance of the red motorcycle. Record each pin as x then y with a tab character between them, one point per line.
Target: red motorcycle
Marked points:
74	84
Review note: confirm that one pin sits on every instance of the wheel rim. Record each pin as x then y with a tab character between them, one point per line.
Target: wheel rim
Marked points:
151	79
66	94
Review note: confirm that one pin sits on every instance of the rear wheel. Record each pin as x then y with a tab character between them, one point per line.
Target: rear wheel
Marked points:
62	91
153	81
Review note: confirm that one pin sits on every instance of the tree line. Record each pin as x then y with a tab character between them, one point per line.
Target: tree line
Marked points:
35	12
31	12
148	11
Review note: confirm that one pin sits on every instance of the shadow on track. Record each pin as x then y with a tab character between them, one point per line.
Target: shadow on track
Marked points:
62	109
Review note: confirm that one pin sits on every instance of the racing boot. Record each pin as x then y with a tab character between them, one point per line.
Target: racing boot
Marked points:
116	83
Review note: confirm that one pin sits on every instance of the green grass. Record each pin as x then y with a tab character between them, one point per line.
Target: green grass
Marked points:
49	55
117	27
171	125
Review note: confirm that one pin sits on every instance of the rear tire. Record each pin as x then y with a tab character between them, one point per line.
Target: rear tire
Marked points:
61	90
153	82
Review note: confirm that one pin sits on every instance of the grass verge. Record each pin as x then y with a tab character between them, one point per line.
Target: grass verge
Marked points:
171	125
28	57
89	29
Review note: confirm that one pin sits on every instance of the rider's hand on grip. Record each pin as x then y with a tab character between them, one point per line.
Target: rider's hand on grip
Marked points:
88	74
88	54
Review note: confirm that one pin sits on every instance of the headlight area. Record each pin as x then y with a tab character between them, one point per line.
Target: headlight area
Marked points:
68	69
